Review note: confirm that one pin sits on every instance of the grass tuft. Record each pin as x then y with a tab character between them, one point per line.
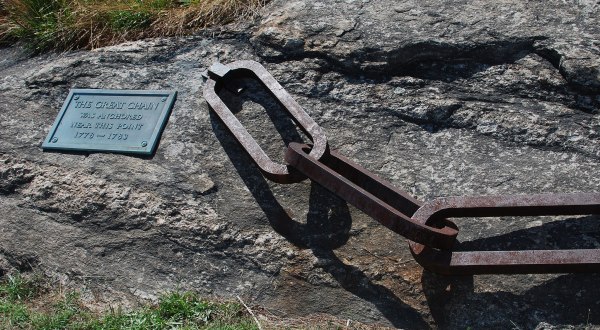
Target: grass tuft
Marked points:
17	287
70	24
26	304
39	22
123	20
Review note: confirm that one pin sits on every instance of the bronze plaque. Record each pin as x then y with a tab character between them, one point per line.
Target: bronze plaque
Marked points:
126	121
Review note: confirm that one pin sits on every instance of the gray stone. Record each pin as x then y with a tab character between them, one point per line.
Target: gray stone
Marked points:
440	98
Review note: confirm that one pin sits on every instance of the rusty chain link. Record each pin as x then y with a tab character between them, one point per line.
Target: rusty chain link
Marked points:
530	261
279	173
431	235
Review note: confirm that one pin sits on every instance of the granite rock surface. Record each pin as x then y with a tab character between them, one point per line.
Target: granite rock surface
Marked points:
439	98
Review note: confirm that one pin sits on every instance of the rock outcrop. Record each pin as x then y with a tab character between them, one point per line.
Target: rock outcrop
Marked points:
440	98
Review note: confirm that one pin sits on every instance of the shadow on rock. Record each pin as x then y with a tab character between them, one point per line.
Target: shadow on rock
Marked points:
571	233
353	280
455	302
327	234
327	225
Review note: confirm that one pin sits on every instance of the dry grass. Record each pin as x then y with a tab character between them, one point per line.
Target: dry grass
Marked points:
4	23
316	321
70	24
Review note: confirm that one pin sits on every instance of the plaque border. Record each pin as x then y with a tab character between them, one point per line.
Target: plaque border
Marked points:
153	142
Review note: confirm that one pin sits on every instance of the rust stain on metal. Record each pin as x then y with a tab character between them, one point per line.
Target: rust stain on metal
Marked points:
390	206
488	262
218	74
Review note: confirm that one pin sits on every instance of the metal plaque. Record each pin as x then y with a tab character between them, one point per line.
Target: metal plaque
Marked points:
127	121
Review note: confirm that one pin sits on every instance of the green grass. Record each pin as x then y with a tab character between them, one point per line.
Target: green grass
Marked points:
40	22
68	24
123	20
19	288
31	303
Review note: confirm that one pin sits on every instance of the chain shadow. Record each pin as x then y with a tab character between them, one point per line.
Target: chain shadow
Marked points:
566	299
328	221
278	217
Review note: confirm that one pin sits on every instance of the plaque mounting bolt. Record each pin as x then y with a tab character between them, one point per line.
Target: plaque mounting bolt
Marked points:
163	99
76	97
144	143
54	140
